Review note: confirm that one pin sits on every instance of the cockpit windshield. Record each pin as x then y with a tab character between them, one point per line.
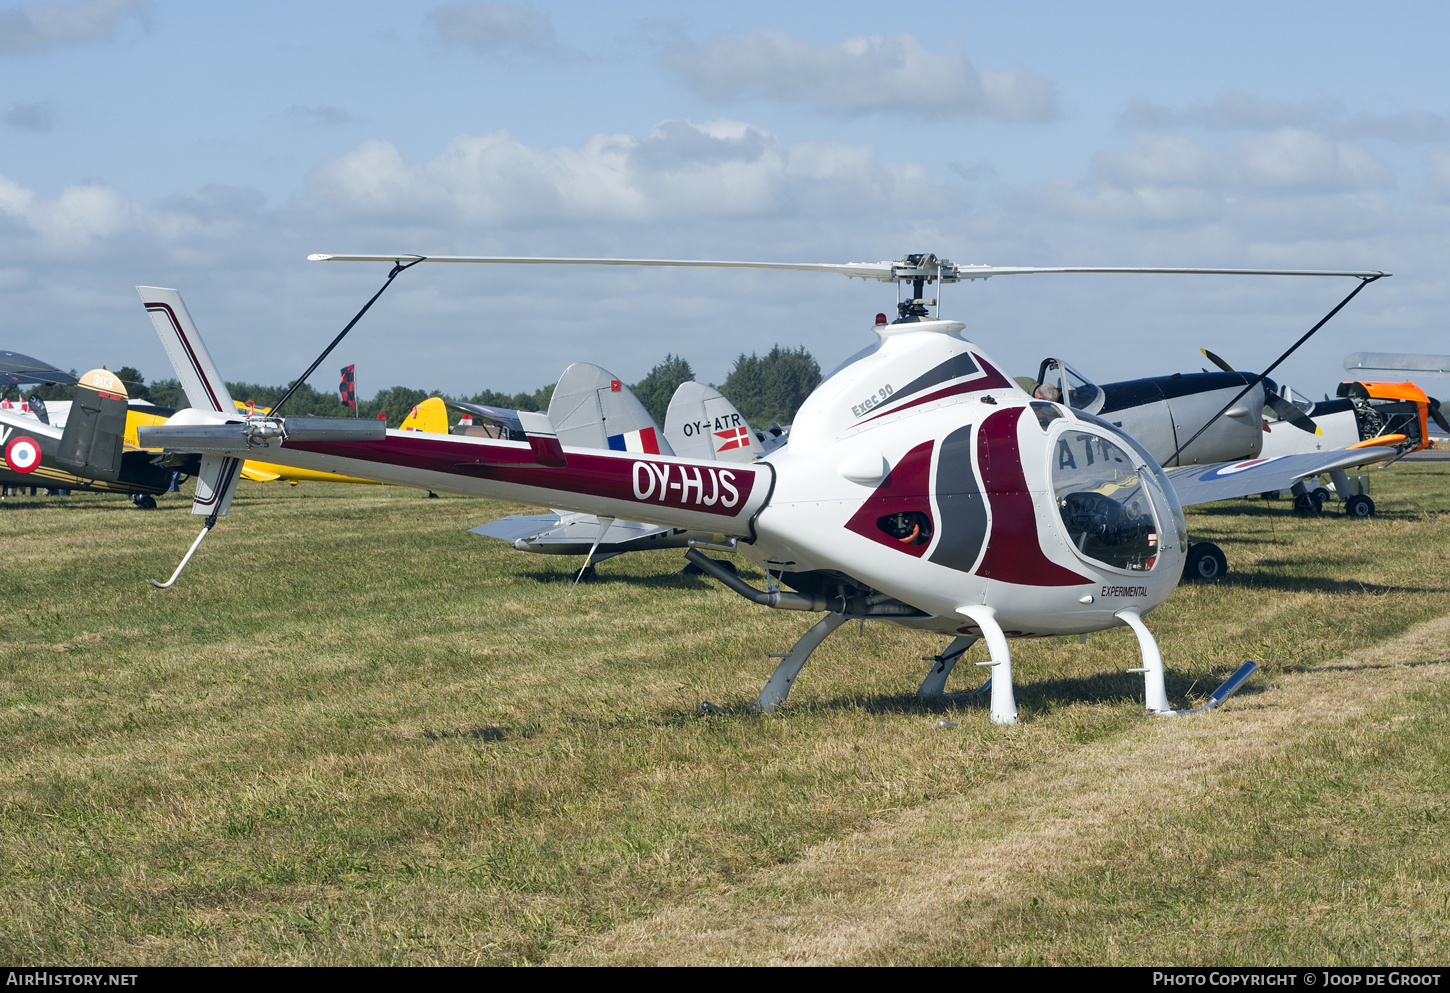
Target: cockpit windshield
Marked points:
1104	504
1297	399
1061	383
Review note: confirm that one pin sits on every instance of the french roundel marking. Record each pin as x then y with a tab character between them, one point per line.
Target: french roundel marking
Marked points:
23	453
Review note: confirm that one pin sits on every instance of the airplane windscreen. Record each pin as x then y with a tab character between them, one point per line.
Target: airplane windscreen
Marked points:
1062	383
1079	392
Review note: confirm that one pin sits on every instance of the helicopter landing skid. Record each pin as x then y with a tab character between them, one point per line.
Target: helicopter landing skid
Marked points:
933	687
1155	693
777	688
1004	704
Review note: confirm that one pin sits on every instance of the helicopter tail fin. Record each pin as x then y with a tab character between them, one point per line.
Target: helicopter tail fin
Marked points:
198	374
216	483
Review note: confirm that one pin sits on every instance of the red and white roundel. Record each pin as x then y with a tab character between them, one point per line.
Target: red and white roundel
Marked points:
23	453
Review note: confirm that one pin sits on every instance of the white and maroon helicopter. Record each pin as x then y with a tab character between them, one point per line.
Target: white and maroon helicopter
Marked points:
920	485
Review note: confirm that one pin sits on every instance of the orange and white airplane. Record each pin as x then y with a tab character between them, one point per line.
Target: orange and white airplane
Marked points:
1366	414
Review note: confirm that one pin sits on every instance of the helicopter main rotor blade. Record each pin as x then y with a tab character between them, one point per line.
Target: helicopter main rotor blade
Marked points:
947	272
865	270
1263	375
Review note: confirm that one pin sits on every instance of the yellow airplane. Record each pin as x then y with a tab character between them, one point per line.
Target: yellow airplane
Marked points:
430	415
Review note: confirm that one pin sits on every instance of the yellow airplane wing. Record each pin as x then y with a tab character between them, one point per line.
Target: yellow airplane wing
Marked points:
431	415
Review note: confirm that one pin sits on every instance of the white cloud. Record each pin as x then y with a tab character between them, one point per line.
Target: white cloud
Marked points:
680	172
50	25
1290	160
1237	111
1295	160
723	189
75	221
15	200
94	222
861	75
494	28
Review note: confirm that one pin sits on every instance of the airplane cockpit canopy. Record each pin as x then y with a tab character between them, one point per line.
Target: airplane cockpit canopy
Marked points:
1297	399
1070	386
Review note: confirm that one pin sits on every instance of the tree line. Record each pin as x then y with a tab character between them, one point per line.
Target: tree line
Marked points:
766	389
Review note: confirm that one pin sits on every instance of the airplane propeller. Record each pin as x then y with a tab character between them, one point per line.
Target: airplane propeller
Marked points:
1437	416
1282	408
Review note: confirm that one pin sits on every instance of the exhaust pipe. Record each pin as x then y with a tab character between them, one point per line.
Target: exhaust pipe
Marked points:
876	605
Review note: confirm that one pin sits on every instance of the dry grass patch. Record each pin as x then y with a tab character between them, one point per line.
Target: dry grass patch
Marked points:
356	734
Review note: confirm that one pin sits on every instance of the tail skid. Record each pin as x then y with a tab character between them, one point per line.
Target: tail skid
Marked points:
184	559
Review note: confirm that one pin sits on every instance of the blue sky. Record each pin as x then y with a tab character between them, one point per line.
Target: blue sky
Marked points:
213	146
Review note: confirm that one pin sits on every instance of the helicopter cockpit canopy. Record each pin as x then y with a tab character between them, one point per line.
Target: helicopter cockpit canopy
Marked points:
1071	386
1104	501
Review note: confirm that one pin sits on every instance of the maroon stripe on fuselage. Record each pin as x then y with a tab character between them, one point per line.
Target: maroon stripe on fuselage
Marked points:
190	354
907	487
1014	550
722	489
991	380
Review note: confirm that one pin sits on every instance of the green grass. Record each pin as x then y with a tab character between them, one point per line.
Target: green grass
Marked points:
355	733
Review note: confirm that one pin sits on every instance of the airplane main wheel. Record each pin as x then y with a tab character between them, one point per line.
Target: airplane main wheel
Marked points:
1205	561
143	501
1359	505
1309	503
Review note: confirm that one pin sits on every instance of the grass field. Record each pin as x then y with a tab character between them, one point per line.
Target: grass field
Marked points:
354	733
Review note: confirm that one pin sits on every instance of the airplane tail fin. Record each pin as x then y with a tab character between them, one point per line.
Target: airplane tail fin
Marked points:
592	409
702	424
95	429
198	374
431	416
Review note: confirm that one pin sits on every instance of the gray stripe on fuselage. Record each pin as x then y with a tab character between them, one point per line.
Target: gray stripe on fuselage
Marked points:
963	523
